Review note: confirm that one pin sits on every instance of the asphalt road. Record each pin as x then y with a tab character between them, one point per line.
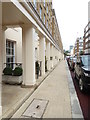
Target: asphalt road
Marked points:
84	99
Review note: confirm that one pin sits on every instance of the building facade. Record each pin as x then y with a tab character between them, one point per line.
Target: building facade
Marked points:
30	33
30	36
86	46
70	48
78	46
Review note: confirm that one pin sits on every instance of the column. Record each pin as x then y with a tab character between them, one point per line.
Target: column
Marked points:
0	69
42	54
55	56
52	56
0	56
48	55
4	48
60	55
28	48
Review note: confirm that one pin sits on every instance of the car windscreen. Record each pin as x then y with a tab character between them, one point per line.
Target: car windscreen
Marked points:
85	60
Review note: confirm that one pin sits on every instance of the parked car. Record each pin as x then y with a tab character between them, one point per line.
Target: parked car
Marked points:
67	58
82	72
72	63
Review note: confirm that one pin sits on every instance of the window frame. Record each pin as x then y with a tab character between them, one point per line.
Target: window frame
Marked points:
10	53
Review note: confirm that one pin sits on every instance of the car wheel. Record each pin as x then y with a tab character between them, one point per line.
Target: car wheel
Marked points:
81	86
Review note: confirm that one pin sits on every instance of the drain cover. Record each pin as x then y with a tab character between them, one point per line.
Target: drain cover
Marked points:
36	108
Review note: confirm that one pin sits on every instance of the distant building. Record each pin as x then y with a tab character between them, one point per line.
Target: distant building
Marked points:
70	48
86	46
78	46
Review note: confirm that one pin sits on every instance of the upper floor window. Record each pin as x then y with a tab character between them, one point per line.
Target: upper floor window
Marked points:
40	12
47	23
44	18
44	3
49	14
35	4
47	8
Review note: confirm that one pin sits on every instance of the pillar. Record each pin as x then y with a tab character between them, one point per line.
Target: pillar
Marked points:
55	57
52	56
28	48
4	48
48	55
58	55
0	70
0	56
42	54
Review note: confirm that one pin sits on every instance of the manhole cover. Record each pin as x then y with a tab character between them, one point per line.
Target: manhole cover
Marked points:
36	109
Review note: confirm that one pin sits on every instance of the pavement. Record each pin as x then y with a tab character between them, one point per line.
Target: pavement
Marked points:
13	96
57	88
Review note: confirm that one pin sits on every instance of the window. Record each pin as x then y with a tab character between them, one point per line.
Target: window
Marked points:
49	14
47	23
44	3
44	18
86	45
40	12
47	8
10	53
35	4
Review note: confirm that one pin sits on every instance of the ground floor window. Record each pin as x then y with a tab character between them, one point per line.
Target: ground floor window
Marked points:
10	53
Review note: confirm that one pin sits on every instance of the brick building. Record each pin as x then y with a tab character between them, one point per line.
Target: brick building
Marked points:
78	48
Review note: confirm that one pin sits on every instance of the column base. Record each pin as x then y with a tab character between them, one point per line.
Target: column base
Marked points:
0	111
28	86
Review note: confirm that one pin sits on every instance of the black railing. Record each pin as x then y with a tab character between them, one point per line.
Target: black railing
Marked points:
13	65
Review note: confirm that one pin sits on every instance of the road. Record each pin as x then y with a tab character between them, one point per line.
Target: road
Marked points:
84	98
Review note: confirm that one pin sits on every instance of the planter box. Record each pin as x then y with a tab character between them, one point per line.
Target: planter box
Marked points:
12	79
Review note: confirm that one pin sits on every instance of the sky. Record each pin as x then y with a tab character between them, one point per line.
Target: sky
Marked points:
72	17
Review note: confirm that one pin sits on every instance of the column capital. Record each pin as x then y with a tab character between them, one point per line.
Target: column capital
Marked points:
27	26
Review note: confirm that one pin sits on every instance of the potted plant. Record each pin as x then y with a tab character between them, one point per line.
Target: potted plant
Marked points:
12	76
45	64
37	69
7	71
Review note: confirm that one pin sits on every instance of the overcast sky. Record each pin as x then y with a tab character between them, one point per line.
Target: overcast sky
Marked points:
72	17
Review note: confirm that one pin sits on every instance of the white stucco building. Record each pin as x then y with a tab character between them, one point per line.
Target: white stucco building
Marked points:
24	39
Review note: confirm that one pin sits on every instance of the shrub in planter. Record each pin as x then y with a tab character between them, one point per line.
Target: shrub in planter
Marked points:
37	69
17	71
45	64
7	71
